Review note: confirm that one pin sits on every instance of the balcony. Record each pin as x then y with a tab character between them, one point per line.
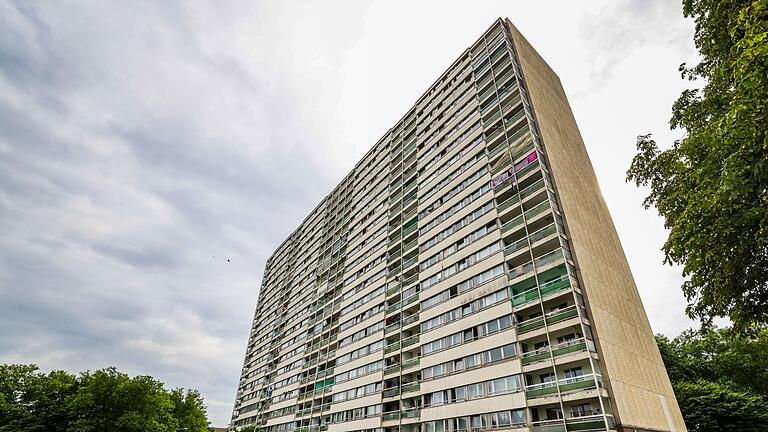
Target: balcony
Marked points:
409	230
408	281
391	328
410	363
389	370
391	392
410	319
392	308
411	413
560	284
392	415
392	348
535	211
552	318
410	299
567	385
539	262
410	262
410	341
410	387
558	350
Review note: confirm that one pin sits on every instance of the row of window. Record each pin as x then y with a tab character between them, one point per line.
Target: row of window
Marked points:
465	309
494	387
358	392
362	333
453	192
468	335
362	317
358	372
368	297
495	420
461	265
462	287
356	413
454	209
470	361
360	352
456	157
459	245
456	226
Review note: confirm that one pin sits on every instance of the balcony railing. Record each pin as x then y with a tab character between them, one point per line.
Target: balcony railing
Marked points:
410	387
535	211
410	299
410	319
552	318
392	348
410	341
410	280
567	385
410	363
392	369
392	415
410	262
568	347
539	262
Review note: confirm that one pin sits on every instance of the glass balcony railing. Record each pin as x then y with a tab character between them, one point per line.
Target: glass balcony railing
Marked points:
535	211
392	347
410	299
410	280
411	413
392	392
560	284
410	262
410	363
566	385
392	308
558	350
393	415
551	317
389	370
410	387
391	328
410	319
393	290
543	260
410	341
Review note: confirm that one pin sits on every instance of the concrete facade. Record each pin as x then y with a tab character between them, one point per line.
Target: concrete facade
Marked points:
465	275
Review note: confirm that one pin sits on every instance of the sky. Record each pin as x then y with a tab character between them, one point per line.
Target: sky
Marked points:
154	154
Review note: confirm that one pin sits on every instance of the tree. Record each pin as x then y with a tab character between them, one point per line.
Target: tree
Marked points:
189	410
709	406
711	187
104	400
720	378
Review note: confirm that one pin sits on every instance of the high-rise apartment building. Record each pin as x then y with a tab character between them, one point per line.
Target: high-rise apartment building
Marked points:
465	276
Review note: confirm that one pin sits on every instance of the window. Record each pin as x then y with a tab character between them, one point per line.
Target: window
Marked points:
501	419
475	391
478	421
574	372
493	355
518	416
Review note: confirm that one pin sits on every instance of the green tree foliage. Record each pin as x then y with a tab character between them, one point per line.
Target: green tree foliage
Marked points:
711	187
720	378
104	400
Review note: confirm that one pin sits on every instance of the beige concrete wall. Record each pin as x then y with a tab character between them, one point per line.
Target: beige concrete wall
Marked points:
643	396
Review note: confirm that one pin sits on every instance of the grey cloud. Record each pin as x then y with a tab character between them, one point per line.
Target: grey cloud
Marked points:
135	144
621	27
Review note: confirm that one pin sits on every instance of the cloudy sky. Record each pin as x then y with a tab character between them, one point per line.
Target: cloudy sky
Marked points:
143	144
